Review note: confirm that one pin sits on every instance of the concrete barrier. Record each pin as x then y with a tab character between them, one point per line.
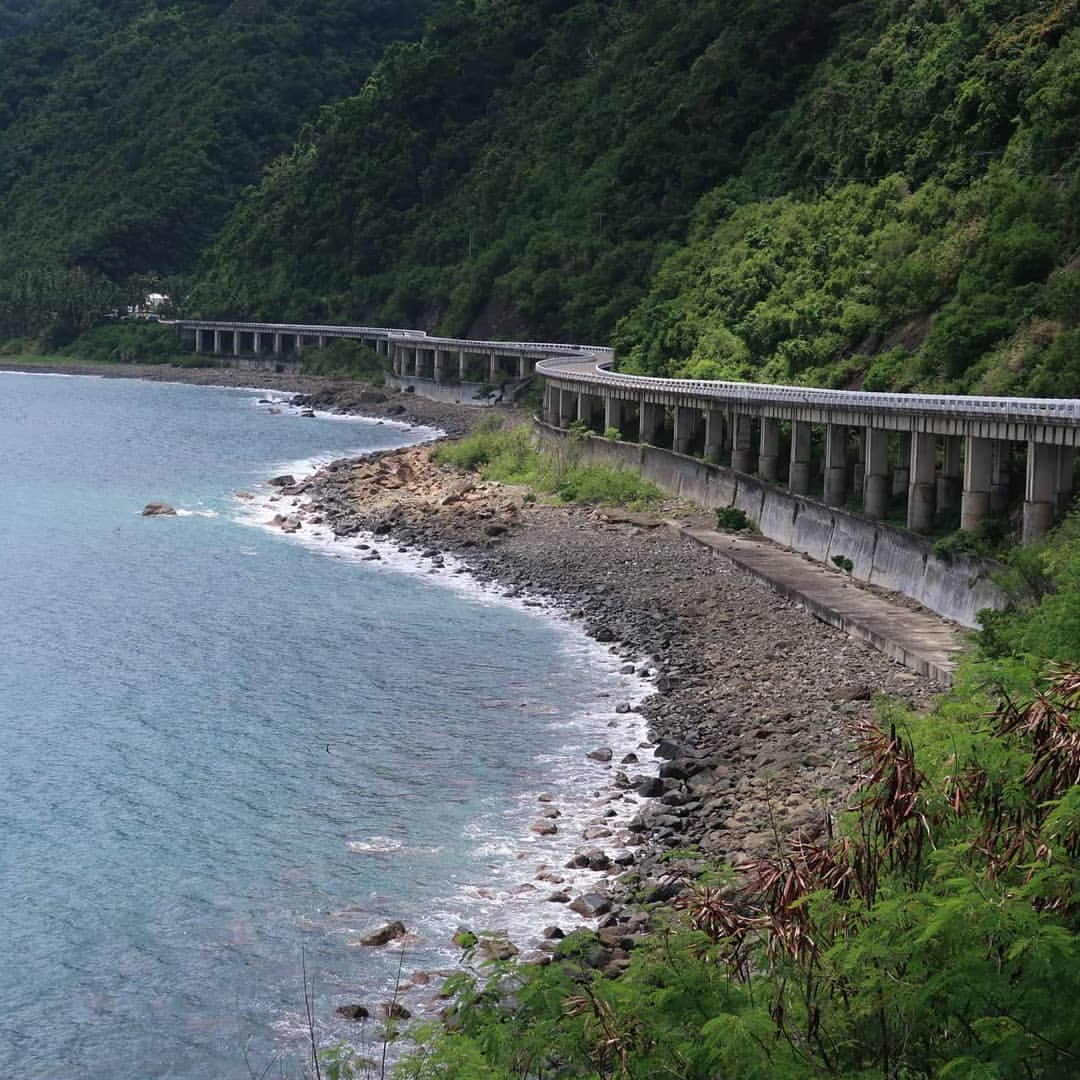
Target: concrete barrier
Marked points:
880	554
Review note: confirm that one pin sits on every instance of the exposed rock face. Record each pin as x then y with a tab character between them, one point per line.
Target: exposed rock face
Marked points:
158	509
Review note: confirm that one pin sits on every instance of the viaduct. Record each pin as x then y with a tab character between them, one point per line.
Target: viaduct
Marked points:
937	452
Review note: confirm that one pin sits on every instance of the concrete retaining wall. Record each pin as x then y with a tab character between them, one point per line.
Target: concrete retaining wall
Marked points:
881	554
454	393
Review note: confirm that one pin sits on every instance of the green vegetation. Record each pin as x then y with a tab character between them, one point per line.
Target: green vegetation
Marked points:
936	936
507	454
876	195
133	342
128	129
349	359
732	519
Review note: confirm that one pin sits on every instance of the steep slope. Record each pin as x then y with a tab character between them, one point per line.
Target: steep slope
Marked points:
520	168
862	193
128	129
914	219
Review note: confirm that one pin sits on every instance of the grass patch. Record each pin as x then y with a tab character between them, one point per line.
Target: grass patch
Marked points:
507	454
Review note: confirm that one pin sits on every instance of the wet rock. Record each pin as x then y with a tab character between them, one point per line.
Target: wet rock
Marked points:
352	1012
591	905
650	787
286	480
158	509
602	753
385	934
394	1010
544	828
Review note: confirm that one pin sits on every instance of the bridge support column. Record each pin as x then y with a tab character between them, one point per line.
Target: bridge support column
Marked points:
462	367
978	475
322	341
922	488
524	367
217	341
742	454
279	345
768	466
613	414
198	340
493	367
836	472
799	469
949	482
650	420
876	477
256	341
1000	480
686	428
299	344
1041	490
440	365
858	472
901	477
568	406
1066	465
714	434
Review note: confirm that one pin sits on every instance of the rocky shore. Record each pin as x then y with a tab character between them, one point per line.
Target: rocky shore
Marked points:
757	704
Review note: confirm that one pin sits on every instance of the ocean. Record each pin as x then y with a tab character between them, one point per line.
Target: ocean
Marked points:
227	754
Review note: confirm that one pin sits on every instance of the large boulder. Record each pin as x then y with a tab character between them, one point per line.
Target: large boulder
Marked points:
158	509
385	934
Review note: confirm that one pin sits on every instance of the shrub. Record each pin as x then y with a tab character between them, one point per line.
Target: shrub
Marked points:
731	519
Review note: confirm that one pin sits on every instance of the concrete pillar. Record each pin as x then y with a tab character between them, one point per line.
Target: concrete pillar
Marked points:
978	475
949	484
768	465
876	490
922	487
256	341
279	345
568	406
299	344
650	420
524	366
440	365
836	473
1066	464
217	341
462	368
799	469
322	341
198	340
493	367
613	414
1000	478
901	477
858	472
714	434
1041	490
686	426
742	454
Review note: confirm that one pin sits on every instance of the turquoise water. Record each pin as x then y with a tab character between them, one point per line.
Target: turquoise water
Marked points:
222	750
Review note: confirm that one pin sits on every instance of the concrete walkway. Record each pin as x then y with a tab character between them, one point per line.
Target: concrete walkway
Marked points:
918	638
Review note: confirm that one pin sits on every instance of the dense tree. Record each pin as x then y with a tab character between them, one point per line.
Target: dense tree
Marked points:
128	129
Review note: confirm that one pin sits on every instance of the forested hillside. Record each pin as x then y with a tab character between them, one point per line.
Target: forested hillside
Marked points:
879	194
129	127
19	16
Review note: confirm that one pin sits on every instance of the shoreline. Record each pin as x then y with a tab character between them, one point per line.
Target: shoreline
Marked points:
756	703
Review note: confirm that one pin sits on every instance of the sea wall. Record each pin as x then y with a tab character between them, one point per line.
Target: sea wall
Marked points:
460	393
880	554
